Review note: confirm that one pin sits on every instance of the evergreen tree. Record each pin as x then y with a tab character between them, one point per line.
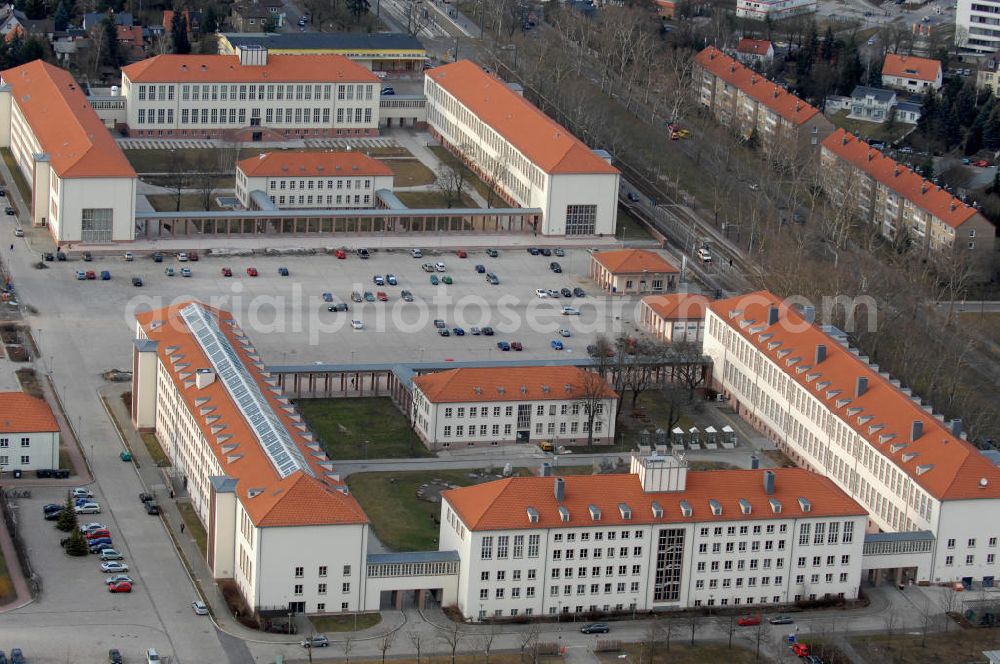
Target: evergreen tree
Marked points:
973	140
179	34
995	187
991	130
358	8
851	69
77	544
965	105
67	518
111	54
32	49
35	9
61	17
210	20
827	48
927	168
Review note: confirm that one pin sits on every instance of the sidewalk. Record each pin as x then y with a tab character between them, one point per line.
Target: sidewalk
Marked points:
23	595
416	143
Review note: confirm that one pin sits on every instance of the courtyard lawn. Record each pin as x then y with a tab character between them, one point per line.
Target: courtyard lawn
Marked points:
363	428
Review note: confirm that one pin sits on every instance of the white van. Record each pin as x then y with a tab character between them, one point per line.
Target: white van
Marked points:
152	657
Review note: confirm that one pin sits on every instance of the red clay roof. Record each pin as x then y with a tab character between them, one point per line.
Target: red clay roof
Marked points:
64	122
503	504
753	46
227	69
633	261
910	66
318	163
22	413
300	499
504	384
956	467
771	95
535	135
905	182
678	306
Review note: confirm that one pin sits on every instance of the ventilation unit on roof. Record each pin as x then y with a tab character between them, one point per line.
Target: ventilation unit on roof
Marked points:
657	510
477	389
625	511
805	505
745	506
568	388
715	506
772	315
501	389
595	512
524	389
559	489
545	389
686	508
532	515
563	514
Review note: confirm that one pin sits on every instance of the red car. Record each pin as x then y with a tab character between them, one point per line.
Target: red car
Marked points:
982	163
461	253
800	649
516	345
193	256
120	587
382	297
251	272
340	253
226	272
748	621
91	274
97	534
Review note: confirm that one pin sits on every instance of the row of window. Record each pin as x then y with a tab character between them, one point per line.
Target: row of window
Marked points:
504	547
356	183
743	530
969	559
321	588
557	554
5	442
594	588
581	572
5	460
741	546
330	200
971	542
261	92
751	582
320	572
540	427
238	116
483	411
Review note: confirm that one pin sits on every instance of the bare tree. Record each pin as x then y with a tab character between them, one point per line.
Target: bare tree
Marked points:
593	394
648	650
385	643
528	639
416	17
688	366
948	601
177	177
759	635
348	647
486	643
451	182
204	182
730	629
452	636
693	622
415	640
228	153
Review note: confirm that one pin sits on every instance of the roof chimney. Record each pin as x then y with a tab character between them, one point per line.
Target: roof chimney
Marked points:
772	315
559	489
798	106
204	378
860	387
898	170
769	482
809	313
820	353
546	469
916	430
923	187
754	462
956	428
871	155
953	205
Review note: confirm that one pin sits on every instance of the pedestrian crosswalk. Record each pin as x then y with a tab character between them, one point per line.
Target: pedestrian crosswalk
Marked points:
363	142
165	144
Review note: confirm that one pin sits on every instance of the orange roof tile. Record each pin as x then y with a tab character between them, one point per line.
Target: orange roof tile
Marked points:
317	163
905	182
300	499
227	69
753	46
910	66
503	504
537	136
955	466
64	122
678	306
504	384
768	93
633	261
22	413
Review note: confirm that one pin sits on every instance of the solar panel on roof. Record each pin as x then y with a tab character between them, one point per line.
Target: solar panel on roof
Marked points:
274	438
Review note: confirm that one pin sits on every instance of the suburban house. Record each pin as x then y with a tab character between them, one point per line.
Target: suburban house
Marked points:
871	104
910	73
255	16
753	52
676	317
29	434
632	271
191	19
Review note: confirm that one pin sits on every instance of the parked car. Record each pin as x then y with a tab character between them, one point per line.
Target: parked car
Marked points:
379	280
182	257
434	280
18	232
128	256
113	567
337	306
17	656
98	533
81	492
357	325
251	272
559	252
364	254
545	251
492	253
227	272
185	272
356	296
595	628
781	620
51	508
541	292
111	554
152	657
169	271
99	545
283	271
152	508
158	257
459	332
440	266
516	345
115	578
705	254
407	296
565	292
199	608
317	641
88	508
492	279
633	197
475	331
193	256
416	253
105	275
369	296
748	620
427	267
391	280
81	275
503	345
120	587
570	311
551	292
438	323
579	292
444	332
563	332
87	527
341	254
555	267
800	649
382	296
480	268
446	279
533	251
115	656
557	345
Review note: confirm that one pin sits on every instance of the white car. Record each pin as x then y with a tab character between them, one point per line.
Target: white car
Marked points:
182	257
88	508
81	492
563	332
541	292
416	253
118	578
93	525
705	254
111	554
114	566
357	325
199	608
439	266
129	256
18	232
570	311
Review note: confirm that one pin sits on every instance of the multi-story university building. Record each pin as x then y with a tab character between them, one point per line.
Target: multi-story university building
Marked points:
311	179
787	128
250	96
82	186
894	199
657	538
511	404
774	10
531	160
832	411
977	29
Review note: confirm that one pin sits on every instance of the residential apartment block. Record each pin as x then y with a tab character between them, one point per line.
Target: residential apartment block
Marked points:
774	10
29	433
976	30
832	411
82	186
530	159
658	538
910	73
318	179
506	405
786	128
897	201
250	96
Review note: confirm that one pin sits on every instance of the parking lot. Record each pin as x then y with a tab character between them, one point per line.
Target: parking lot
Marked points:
288	319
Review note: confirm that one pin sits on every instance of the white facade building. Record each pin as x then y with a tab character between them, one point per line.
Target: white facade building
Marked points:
976	30
506	405
526	156
250	96
775	10
833	412
82	187
312	179
280	522
658	538
29	434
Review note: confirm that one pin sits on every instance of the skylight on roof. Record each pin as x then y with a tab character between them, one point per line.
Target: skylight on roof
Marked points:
245	392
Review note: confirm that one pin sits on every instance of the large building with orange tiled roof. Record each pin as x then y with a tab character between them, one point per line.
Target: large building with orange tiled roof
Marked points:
632	271
318	179
901	205
252	95
526	156
910	73
754	106
468	407
82	187
29	433
832	411
677	317
658	538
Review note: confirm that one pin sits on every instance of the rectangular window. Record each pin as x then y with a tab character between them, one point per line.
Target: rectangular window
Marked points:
486	551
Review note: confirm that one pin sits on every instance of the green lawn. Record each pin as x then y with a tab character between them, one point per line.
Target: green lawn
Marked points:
343	426
402	521
424	200
194	528
344	623
630	228
683	653
956	645
871	131
19	181
155	451
167	202
484	190
410	172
